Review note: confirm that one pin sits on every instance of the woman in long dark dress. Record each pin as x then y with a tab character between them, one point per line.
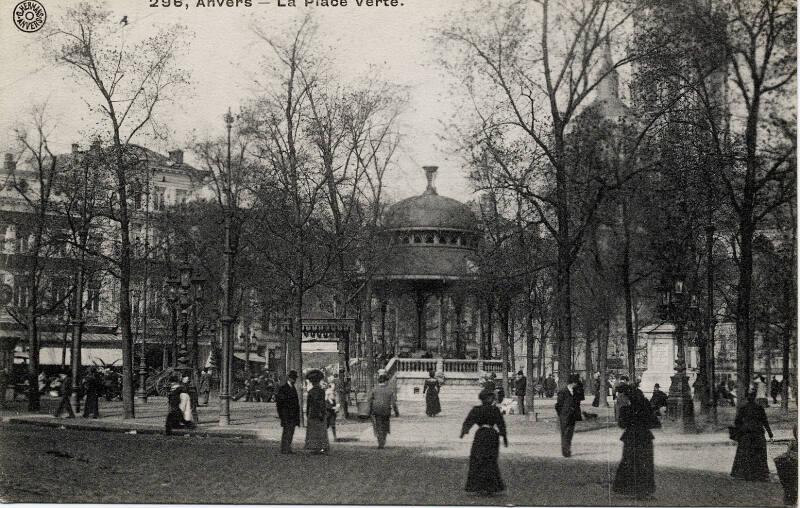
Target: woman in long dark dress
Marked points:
91	386
316	412
635	475
751	453
484	473
431	391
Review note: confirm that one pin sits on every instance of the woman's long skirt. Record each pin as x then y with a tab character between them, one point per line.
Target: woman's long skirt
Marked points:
484	473
432	406
91	407
751	458
635	475
317	435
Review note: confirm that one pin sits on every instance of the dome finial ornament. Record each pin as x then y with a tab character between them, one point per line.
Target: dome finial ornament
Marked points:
430	174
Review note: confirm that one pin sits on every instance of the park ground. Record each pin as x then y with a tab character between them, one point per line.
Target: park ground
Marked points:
43	459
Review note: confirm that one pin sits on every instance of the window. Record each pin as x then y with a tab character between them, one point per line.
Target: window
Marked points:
22	244
93	297
159	198
58	293
136	194
21	293
180	196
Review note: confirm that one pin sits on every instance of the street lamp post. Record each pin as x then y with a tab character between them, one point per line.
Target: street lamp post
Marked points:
142	393
679	308
186	291
227	319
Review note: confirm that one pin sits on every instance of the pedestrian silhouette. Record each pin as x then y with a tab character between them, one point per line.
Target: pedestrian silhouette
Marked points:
124	20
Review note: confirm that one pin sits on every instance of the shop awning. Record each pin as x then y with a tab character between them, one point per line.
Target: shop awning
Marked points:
89	356
253	357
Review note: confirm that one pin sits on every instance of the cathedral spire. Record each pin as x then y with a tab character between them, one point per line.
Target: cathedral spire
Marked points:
608	89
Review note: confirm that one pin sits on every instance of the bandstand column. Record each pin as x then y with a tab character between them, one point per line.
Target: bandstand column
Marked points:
419	300
460	348
442	323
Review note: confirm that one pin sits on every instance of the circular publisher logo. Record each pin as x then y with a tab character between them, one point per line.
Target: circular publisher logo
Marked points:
29	15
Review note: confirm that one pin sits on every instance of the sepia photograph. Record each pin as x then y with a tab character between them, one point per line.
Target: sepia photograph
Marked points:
398	252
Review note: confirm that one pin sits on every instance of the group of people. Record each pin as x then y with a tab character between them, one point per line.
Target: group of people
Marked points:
763	390
90	390
259	388
321	411
546	386
635	414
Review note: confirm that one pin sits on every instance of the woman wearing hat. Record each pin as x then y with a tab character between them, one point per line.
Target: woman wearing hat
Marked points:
751	421
484	473
431	391
316	410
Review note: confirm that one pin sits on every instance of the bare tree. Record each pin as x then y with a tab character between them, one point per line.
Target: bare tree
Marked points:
39	237
530	67
132	81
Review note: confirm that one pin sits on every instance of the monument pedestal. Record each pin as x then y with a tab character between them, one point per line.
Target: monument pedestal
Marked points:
680	408
660	358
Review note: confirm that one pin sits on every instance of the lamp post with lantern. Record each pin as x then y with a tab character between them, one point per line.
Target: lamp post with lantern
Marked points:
187	292
680	308
227	276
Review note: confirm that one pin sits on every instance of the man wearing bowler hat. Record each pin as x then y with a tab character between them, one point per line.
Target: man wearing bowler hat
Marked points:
288	407
569	412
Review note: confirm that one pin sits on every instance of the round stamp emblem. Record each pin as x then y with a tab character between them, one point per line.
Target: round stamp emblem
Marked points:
29	15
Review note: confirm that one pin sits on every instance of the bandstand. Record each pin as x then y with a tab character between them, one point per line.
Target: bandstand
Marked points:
430	259
431	254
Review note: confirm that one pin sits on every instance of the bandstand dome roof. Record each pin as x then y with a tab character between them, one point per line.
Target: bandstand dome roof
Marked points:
430	211
430	237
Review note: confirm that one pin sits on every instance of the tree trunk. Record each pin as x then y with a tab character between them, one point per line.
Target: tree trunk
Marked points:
787	345
503	314
602	366
564	317
587	360
744	332
626	291
512	354
294	349
368	336
33	354
489	330
530	344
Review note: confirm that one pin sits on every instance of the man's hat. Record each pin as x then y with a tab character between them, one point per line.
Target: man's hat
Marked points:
573	378
292	374
486	394
315	376
657	386
520	373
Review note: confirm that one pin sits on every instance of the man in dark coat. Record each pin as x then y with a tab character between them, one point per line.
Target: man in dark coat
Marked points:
569	412
66	392
549	386
658	399
288	406
774	390
92	388
520	385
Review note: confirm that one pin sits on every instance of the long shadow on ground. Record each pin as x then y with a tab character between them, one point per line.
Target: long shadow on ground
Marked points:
49	465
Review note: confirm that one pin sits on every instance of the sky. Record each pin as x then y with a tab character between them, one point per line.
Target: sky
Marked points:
224	54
